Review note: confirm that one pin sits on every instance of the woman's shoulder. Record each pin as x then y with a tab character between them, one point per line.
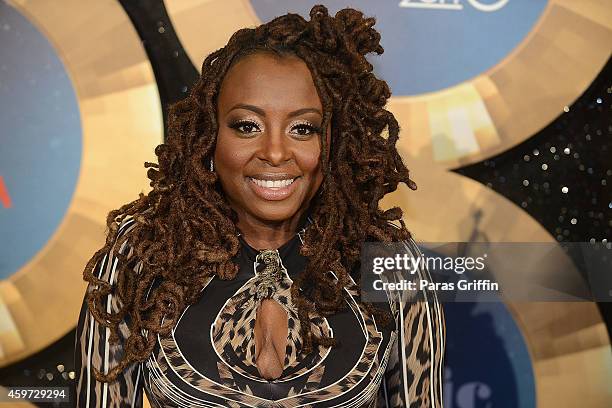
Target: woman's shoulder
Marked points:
121	242
126	225
119	250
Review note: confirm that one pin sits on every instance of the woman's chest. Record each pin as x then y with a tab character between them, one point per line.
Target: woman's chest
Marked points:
211	353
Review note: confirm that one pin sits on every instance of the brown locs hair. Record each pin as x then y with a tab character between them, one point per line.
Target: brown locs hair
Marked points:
184	229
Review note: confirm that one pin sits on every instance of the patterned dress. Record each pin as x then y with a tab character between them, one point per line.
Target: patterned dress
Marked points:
208	360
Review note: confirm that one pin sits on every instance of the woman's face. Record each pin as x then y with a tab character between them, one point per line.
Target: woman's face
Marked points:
268	145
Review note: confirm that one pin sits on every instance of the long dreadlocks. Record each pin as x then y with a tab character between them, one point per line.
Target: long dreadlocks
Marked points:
185	230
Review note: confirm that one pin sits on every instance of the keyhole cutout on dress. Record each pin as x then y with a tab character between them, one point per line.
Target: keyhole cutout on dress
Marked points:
271	331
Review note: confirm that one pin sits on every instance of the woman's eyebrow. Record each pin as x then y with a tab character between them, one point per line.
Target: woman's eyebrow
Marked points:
253	108
261	112
304	110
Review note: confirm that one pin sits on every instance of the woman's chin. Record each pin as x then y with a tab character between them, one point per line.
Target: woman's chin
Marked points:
275	211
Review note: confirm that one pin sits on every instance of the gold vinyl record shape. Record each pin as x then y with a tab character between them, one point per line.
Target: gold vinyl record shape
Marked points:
568	342
120	115
517	97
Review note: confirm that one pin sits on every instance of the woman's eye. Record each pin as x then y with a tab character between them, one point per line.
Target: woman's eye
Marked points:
304	129
245	126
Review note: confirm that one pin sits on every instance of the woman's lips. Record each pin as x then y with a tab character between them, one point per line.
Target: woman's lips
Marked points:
270	192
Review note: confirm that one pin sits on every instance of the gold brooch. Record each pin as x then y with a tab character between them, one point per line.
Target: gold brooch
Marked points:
270	275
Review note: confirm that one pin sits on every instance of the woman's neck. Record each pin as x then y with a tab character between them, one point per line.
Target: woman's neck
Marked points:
262	234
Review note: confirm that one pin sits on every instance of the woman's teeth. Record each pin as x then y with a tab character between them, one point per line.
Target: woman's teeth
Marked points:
273	183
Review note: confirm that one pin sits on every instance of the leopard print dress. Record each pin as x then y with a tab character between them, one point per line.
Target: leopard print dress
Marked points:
208	359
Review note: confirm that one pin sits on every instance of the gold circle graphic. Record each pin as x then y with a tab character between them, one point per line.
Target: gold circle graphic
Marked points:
121	124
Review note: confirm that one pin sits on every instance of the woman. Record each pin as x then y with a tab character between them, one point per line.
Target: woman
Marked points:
234	282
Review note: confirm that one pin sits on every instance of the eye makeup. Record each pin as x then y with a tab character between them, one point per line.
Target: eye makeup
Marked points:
242	126
297	128
305	125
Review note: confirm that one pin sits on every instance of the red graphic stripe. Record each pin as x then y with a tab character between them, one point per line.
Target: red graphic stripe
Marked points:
5	198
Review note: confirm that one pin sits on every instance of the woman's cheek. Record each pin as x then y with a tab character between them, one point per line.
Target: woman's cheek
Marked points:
228	153
309	156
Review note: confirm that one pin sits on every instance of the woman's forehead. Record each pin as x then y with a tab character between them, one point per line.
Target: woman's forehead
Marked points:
264	78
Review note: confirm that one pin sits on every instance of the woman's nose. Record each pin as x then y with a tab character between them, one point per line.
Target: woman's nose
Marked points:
274	147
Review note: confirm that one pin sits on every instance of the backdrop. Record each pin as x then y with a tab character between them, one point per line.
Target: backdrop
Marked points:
504	107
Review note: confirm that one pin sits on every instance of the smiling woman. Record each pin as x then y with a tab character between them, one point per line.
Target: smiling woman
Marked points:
234	282
268	143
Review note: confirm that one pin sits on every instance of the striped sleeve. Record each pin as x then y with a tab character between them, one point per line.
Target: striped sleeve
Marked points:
92	348
414	374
